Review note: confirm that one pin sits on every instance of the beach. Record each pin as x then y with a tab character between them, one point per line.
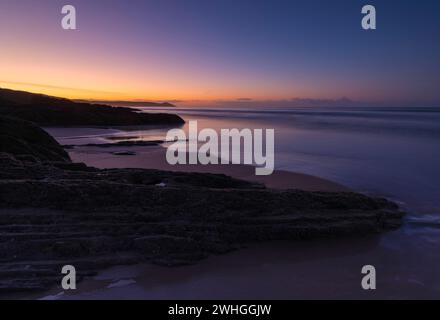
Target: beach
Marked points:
106	194
57	210
405	258
222	150
155	158
279	270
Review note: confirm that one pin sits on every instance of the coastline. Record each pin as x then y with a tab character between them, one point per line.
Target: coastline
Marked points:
149	281
154	158
63	211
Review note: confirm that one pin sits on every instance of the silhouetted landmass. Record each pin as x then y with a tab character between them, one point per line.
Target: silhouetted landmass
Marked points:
131	103
52	111
135	143
54	212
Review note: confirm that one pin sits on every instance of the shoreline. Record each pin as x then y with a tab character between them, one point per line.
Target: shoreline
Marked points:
153	157
264	271
58	211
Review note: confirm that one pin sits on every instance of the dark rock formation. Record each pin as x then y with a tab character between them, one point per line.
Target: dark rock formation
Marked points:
27	141
54	212
124	153
52	111
58	213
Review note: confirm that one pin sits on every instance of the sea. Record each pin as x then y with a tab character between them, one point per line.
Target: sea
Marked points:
387	152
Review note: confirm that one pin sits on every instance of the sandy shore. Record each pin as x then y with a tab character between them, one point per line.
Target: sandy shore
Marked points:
272	270
146	281
278	270
154	158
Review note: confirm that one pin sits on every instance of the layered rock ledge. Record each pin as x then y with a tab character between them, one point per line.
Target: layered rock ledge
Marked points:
57	213
54	212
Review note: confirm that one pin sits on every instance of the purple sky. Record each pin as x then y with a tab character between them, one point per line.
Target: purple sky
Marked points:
222	50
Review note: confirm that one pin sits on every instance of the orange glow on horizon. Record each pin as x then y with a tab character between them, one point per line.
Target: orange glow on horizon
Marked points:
135	52
128	94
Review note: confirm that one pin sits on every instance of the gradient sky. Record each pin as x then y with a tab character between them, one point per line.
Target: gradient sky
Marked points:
226	50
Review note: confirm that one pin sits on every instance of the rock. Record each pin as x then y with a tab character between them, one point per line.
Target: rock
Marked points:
52	214
28	142
124	153
162	245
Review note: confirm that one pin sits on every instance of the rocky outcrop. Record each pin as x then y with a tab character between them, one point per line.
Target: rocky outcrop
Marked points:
57	213
27	141
51	111
54	212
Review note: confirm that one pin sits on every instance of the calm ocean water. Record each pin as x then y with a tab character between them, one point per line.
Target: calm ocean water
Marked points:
387	152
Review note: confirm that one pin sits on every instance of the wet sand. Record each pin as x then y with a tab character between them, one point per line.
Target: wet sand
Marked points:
273	270
329	269
279	270
406	260
155	158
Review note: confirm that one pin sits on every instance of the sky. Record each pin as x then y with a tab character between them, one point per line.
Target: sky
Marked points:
223	50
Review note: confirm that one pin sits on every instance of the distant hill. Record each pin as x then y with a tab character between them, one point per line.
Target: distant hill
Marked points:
123	103
53	111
